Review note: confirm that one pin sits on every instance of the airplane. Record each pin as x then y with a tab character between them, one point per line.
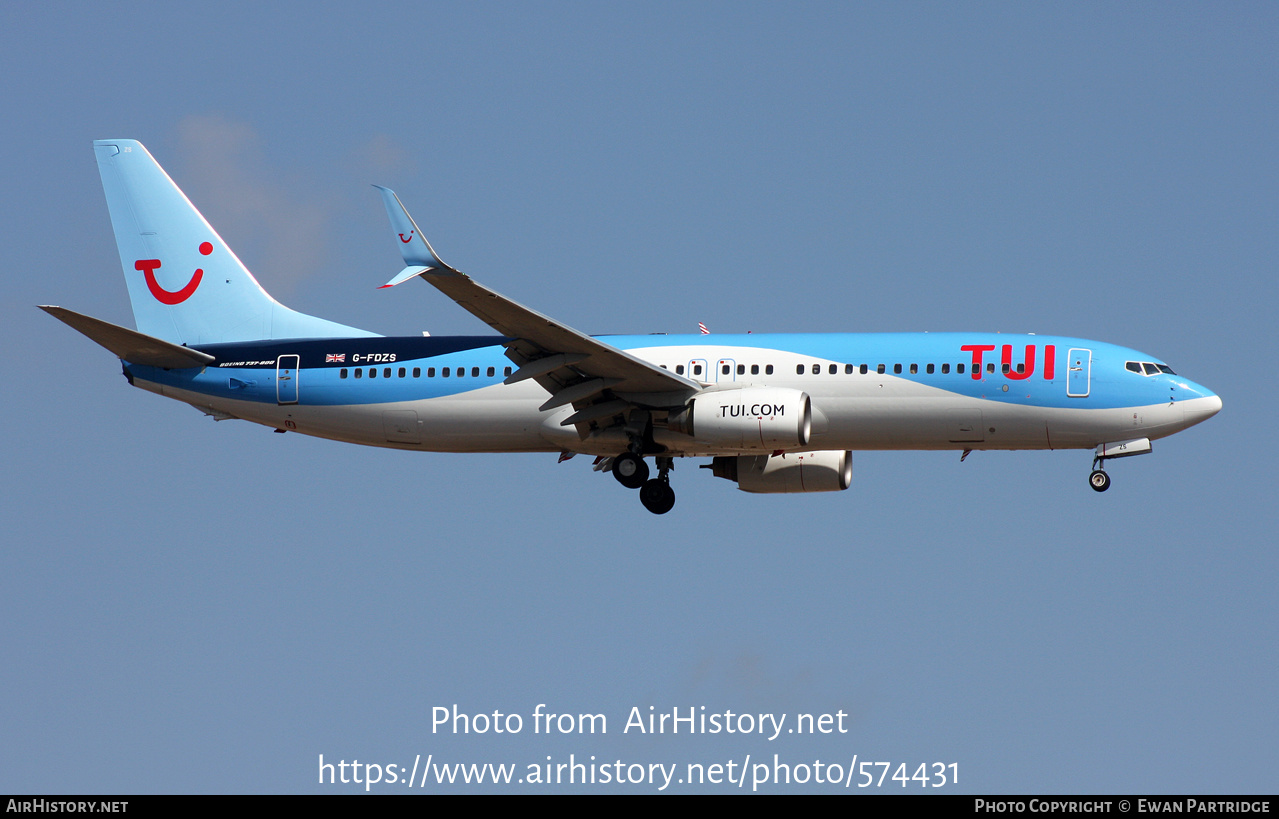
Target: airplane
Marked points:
774	412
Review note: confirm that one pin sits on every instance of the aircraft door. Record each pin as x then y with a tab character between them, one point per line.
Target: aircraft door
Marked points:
1079	373
286	379
726	370
697	370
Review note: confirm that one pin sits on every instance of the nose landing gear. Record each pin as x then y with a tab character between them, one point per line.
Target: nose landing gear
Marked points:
1099	480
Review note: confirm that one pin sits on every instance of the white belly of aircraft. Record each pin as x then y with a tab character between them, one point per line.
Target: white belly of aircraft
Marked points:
505	419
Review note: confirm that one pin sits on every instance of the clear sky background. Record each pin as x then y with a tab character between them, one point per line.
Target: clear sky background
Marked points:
191	606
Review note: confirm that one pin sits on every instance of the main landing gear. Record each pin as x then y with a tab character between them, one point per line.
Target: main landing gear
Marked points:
630	470
656	494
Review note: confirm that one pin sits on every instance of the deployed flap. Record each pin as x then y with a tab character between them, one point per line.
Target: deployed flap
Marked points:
130	345
534	335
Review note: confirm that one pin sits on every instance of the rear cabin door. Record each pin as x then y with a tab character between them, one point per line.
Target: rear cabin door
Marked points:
286	379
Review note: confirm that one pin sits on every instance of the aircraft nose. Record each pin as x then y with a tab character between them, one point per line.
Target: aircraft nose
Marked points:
1202	408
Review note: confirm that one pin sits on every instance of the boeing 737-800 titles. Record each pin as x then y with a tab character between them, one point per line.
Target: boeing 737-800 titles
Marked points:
773	412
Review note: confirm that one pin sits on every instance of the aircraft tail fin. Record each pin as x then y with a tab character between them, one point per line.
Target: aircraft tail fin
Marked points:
185	284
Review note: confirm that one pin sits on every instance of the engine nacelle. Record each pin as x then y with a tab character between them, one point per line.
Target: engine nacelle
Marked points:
747	418
828	471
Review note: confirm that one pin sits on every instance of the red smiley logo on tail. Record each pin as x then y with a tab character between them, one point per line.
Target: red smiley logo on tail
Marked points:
149	266
406	241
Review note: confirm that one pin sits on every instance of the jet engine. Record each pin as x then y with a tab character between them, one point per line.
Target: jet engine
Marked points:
828	471
747	418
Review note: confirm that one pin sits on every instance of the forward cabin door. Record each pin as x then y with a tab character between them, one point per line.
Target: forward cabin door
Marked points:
1078	373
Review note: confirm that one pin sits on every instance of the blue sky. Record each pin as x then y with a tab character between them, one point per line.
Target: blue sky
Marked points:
191	606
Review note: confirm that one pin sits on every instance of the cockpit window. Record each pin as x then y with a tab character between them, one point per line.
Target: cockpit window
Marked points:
1148	368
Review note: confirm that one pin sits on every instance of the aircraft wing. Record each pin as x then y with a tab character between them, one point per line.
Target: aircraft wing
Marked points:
574	367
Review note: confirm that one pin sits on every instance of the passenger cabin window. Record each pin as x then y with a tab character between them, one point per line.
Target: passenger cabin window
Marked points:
725	369
417	372
930	369
372	372
897	368
863	369
697	369
475	372
914	369
430	372
880	369
679	369
945	369
402	372
768	370
799	369
507	371
491	371
342	373
754	369
959	368
741	369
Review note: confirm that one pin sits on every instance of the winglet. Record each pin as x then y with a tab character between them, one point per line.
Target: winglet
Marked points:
419	256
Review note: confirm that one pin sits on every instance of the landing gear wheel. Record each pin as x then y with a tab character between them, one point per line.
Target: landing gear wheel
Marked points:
630	470
657	496
1099	480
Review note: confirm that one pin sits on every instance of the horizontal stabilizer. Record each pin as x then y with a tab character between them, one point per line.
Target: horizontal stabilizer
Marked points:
130	345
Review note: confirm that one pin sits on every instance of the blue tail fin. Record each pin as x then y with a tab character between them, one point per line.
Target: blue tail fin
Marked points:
185	284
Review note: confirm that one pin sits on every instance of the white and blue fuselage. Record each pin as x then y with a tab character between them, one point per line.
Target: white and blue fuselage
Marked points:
869	391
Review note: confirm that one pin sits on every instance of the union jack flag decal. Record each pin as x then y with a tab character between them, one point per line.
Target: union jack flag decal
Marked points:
335	358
